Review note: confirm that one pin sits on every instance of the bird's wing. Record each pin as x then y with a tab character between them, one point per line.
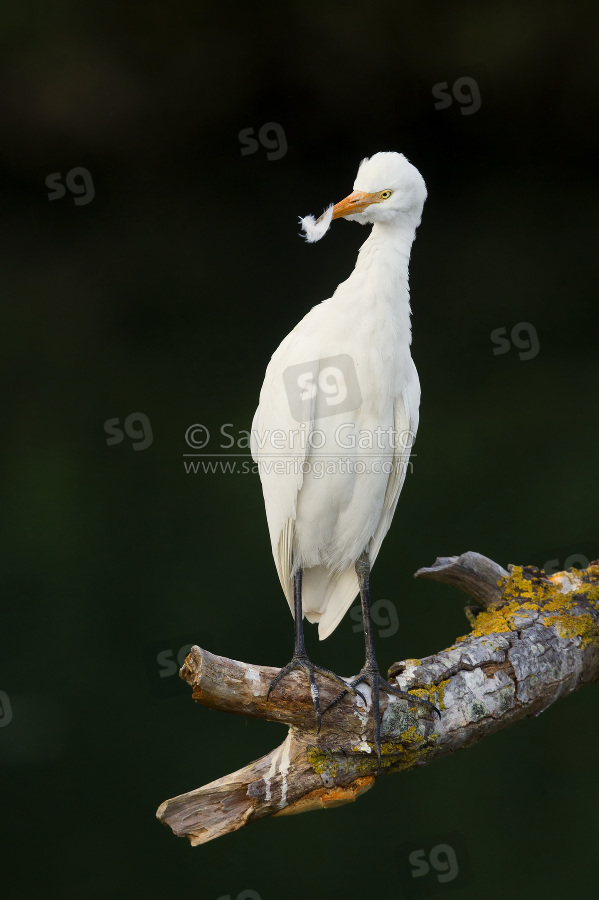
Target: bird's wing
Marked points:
279	445
406	416
343	589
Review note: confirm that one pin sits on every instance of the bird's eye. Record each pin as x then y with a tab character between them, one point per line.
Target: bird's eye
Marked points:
385	194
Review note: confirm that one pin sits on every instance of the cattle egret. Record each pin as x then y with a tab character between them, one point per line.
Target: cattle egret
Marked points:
337	415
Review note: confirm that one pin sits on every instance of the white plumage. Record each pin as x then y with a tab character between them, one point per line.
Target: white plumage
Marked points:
313	228
323	512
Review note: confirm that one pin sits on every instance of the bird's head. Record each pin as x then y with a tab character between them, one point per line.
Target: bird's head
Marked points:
387	189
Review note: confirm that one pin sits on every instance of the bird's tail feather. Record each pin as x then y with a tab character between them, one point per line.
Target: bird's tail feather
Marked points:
327	595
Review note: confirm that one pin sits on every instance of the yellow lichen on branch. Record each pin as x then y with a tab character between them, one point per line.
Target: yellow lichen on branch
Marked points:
530	590
434	693
535	639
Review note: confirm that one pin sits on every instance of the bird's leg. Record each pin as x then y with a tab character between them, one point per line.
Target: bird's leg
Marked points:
370	674
300	659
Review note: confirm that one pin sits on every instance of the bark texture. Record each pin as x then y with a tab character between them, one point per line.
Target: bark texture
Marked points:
533	639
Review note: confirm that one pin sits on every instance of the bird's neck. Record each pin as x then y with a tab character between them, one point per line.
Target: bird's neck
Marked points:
380	278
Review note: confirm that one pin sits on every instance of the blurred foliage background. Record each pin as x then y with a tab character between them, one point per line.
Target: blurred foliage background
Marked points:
165	293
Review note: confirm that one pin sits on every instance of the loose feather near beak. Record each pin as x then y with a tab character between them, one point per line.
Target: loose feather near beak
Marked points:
356	202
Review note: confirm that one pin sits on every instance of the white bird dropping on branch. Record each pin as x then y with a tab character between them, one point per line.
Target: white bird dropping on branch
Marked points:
313	228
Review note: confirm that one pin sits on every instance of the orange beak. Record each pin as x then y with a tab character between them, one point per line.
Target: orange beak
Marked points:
355	203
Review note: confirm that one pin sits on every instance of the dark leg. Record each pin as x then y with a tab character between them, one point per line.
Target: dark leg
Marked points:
370	671
300	658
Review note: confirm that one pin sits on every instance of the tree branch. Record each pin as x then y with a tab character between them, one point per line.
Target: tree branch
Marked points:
472	573
536	640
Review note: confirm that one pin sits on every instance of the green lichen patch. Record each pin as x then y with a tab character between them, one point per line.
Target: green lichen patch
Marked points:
324	761
394	755
471	615
477	711
411	758
402	754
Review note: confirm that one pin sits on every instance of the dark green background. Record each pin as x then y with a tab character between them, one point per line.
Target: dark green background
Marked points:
167	294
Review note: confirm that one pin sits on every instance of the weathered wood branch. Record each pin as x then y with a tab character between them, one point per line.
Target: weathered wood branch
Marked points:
535	640
471	572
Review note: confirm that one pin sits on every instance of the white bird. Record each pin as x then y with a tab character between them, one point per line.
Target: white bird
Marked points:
337	416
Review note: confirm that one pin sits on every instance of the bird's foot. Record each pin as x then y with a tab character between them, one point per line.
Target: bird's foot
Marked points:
371	676
303	663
